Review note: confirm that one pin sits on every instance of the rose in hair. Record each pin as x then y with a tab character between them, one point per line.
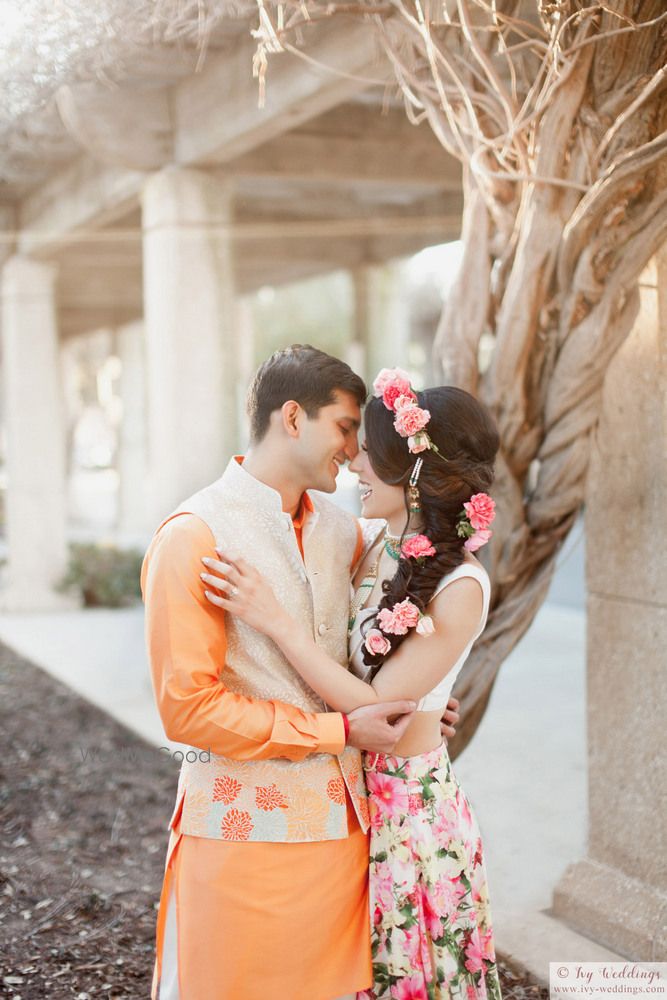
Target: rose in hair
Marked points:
419	442
481	510
376	643
417	547
397	620
476	541
411	419
425	625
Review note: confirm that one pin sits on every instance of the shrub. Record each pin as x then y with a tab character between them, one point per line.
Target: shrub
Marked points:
105	576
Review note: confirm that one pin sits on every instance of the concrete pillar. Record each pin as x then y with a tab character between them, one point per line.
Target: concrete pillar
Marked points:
133	516
357	349
189	309
35	503
245	346
617	895
381	324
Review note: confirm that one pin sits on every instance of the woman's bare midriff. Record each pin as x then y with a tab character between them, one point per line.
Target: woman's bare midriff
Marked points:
422	735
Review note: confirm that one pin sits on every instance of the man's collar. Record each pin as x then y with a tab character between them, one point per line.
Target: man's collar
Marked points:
259	494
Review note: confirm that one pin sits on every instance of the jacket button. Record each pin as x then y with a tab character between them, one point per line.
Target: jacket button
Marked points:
321	629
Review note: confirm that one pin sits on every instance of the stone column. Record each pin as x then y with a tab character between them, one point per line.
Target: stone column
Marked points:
34	416
245	345
617	895
357	349
133	518
189	313
381	328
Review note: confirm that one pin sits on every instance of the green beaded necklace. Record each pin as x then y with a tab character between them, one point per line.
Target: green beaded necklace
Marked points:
393	543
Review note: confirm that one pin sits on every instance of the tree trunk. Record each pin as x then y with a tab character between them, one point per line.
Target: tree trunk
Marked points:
556	110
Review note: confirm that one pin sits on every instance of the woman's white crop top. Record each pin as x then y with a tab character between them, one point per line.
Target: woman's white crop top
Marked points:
439	696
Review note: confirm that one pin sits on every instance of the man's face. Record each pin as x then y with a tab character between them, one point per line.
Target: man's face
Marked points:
328	440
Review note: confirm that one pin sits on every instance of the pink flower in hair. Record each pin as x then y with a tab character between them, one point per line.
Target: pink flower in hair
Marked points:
410	420
376	643
398	394
476	541
391	384
425	625
419	442
407	399
397	620
417	547
481	510
386	377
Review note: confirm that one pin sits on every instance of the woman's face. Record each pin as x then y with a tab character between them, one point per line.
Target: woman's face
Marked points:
378	499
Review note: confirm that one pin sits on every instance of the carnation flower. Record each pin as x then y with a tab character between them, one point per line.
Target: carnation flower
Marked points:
411	419
417	547
481	510
400	618
391	384
386	376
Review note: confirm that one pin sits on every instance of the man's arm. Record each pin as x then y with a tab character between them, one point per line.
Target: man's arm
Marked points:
187	646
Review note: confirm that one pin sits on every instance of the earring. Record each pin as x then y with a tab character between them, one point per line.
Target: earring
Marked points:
414	505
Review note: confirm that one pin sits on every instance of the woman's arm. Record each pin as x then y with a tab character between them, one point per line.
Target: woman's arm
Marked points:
411	672
256	604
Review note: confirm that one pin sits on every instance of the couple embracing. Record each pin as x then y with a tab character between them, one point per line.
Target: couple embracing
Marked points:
324	848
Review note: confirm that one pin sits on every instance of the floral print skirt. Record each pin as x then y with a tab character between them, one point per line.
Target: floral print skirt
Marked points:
431	930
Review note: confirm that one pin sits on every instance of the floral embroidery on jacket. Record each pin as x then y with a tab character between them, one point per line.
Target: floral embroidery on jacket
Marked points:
236	825
269	798
336	790
226	789
307	814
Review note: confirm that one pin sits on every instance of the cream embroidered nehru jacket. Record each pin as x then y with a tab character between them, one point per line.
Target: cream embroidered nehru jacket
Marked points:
275	799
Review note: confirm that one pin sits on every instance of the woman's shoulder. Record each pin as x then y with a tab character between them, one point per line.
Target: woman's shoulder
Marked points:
470	567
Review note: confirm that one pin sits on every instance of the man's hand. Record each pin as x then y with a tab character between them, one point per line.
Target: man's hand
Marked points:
449	719
371	728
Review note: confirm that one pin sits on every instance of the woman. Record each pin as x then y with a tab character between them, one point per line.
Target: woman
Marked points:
421	600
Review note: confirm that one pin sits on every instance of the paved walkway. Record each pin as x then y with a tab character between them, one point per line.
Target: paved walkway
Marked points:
525	771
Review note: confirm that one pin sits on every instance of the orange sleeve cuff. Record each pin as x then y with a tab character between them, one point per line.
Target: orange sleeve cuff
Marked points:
331	732
358	549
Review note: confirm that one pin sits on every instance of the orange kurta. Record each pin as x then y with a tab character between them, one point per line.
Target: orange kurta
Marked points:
254	920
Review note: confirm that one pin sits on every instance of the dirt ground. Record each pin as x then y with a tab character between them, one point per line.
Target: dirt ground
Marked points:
84	807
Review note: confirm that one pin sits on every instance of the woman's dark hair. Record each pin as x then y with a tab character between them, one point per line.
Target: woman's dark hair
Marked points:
302	373
464	431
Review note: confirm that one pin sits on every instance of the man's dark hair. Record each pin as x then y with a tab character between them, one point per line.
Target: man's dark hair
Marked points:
302	373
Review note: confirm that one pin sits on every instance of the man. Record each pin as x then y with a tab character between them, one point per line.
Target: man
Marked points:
265	887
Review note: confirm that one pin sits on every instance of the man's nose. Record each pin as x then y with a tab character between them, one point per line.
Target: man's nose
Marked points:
352	449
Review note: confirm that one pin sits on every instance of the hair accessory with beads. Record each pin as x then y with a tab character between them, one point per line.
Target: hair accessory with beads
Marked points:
414	504
392	385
